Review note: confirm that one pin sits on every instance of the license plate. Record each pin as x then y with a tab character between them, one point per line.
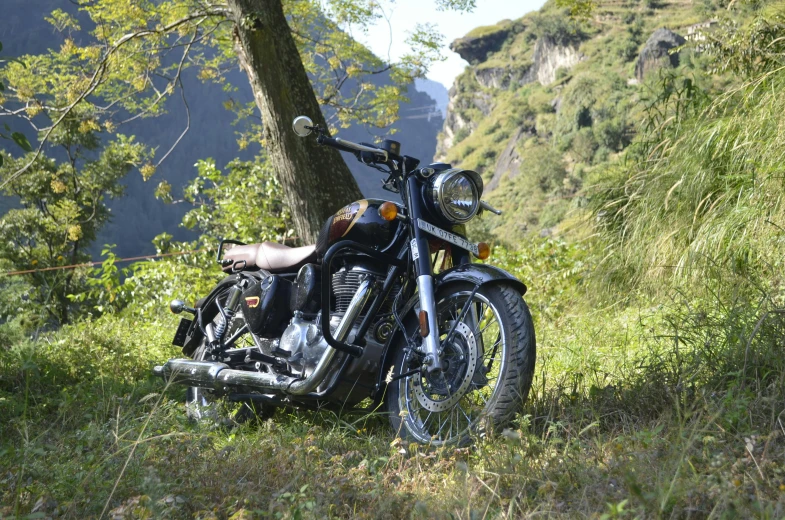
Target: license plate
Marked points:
448	237
182	332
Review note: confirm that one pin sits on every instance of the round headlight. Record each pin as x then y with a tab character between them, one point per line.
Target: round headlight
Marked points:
456	195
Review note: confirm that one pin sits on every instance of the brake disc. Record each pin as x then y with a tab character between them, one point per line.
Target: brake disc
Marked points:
443	395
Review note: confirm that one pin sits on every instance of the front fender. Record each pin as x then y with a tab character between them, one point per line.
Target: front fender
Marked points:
479	274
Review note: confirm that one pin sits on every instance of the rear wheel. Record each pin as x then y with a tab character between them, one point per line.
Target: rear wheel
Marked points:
488	364
204	404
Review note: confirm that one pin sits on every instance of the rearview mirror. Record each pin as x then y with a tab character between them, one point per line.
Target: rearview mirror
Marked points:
302	126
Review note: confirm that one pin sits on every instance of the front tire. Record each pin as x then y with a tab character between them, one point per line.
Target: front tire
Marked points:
489	368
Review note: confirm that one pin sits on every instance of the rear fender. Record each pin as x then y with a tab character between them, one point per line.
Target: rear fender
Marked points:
475	274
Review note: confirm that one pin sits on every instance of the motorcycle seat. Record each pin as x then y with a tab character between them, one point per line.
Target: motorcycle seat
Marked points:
269	256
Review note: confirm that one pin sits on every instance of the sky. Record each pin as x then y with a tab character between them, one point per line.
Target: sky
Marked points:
404	14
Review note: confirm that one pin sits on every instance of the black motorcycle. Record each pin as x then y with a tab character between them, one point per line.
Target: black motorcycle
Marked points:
386	310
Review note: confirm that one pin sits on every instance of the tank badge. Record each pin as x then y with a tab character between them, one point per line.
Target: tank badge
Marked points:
252	302
347	216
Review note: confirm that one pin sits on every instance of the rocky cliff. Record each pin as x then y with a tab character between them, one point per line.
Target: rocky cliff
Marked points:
548	99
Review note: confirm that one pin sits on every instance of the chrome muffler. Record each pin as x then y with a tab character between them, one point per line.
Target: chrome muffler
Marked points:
212	374
189	372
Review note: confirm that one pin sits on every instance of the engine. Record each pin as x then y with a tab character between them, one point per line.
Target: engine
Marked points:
302	343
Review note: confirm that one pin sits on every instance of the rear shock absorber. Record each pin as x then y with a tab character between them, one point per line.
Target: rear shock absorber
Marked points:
227	313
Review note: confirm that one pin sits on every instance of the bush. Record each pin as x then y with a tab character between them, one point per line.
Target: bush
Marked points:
583	145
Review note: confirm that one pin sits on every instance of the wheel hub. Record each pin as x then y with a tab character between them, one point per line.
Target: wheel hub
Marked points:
441	391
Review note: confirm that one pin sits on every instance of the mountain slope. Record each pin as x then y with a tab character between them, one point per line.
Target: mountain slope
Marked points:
547	99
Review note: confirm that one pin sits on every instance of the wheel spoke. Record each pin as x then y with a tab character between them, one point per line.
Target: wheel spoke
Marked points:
468	420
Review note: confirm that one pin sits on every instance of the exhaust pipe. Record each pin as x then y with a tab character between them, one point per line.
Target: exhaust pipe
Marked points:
190	373
212	374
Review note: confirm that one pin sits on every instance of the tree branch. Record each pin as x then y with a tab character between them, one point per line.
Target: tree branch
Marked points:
95	79
185	102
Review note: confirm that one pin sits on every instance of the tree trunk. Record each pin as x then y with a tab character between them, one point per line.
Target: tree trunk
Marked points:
315	179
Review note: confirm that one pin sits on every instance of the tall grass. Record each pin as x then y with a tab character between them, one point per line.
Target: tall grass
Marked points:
704	189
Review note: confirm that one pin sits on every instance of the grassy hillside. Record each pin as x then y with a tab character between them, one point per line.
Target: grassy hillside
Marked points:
549	99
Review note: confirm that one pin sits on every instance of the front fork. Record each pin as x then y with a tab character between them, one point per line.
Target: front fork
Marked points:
426	290
427	294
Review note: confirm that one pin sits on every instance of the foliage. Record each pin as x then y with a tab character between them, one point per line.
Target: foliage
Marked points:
749	50
17	137
133	60
558	28
542	180
62	208
703	185
245	203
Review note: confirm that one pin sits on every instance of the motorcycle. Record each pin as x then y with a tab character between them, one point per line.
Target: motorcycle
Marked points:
386	309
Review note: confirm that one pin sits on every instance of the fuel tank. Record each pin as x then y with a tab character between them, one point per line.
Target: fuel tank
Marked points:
359	221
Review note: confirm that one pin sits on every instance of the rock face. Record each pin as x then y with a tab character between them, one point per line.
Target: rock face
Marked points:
499	77
455	122
656	52
475	49
509	162
550	57
547	58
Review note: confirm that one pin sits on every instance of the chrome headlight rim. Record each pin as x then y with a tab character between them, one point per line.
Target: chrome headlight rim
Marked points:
441	179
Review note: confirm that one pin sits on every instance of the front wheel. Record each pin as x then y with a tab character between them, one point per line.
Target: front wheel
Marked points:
488	354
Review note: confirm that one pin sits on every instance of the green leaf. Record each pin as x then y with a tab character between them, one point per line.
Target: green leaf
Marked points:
2	87
1	159
22	141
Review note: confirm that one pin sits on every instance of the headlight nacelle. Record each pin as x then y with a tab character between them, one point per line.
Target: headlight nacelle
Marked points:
456	194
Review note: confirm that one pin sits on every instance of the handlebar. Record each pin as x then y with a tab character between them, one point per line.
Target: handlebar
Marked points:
484	205
349	146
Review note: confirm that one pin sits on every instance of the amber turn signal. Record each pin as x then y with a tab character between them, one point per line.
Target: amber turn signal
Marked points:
424	329
388	211
483	251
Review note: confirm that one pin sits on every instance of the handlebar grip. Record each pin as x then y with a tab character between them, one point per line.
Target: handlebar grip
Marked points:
330	141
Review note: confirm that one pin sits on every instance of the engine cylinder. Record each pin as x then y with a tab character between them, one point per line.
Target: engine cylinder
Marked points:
346	281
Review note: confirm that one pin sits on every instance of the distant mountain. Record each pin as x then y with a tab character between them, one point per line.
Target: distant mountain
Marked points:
436	91
138	217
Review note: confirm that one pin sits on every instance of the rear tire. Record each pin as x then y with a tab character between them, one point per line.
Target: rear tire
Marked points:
204	405
494	390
